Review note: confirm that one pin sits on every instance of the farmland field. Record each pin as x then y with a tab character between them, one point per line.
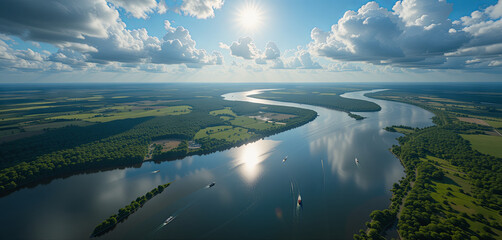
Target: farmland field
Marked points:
487	144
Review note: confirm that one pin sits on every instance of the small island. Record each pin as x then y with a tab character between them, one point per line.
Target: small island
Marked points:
124	212
400	129
355	116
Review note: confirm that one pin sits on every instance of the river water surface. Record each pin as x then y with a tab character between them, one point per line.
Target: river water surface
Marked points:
255	195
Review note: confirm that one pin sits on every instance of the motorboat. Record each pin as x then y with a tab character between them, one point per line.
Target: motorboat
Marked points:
299	199
212	184
156	171
169	219
284	160
357	161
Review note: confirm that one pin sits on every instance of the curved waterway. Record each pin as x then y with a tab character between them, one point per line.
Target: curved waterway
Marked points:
255	195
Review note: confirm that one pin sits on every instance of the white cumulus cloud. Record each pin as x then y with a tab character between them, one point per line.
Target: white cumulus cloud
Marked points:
201	9
416	32
140	8
244	48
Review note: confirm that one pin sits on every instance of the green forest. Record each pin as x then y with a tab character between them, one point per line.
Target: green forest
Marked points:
51	133
451	190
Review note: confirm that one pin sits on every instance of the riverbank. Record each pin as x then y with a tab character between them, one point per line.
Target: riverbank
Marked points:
450	203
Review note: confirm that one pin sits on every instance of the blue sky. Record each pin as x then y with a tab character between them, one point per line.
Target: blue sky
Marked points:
286	20
280	40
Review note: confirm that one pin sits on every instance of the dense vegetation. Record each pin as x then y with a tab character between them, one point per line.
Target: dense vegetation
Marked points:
124	212
74	147
356	116
450	191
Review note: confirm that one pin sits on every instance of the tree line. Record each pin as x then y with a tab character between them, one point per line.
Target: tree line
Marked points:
126	211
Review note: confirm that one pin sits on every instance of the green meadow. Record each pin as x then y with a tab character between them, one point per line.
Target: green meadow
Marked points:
491	145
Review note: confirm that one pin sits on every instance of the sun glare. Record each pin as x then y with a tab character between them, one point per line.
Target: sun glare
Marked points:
250	17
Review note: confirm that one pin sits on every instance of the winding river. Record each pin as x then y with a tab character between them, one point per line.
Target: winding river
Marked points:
255	196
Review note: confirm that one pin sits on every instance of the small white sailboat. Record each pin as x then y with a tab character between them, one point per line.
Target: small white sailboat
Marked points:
284	160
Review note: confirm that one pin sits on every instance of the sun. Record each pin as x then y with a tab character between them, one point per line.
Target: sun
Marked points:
250	17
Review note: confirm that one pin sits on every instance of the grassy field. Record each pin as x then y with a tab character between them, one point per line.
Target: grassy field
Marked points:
210	130
99	117
495	124
228	133
245	121
251	123
232	135
25	108
92	98
487	144
454	193
226	111
52	125
34	103
404	130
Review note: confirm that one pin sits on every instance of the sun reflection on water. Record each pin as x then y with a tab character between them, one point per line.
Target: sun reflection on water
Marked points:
248	159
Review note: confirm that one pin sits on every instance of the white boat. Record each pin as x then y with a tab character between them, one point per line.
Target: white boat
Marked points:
357	161
284	160
156	171
169	219
299	199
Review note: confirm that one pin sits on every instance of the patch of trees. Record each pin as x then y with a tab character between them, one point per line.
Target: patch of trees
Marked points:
124	212
380	220
390	129
356	116
28	149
